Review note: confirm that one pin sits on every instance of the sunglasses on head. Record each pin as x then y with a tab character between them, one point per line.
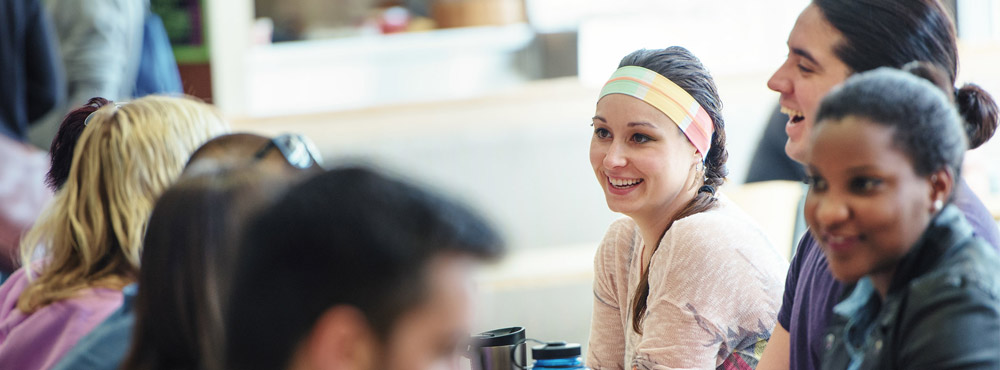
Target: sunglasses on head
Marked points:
298	150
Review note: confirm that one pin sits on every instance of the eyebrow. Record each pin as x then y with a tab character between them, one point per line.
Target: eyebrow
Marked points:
641	123
862	169
804	54
630	124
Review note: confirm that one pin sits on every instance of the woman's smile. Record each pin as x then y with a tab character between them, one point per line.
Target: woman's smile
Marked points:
622	185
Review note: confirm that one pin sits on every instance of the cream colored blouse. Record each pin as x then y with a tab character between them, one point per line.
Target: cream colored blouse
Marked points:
715	286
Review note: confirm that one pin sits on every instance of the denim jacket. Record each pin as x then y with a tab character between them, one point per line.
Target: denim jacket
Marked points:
942	310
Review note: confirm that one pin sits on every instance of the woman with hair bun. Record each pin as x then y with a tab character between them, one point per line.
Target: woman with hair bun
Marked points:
831	40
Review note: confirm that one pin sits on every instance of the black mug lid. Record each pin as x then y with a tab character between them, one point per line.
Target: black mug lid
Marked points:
553	350
499	337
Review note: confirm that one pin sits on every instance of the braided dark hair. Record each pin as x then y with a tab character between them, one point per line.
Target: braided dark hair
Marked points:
681	66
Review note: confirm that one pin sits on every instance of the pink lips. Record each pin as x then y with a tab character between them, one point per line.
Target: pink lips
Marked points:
839	243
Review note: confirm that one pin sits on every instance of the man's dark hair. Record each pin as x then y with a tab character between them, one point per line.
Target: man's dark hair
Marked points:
892	33
345	237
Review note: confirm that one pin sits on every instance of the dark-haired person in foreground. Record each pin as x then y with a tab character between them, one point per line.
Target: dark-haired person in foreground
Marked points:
831	40
172	317
355	270
885	155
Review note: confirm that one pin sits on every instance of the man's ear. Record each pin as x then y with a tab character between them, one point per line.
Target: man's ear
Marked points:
942	184
340	340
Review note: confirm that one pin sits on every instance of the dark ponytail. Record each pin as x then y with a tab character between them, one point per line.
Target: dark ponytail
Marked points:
63	145
891	33
979	111
684	69
976	107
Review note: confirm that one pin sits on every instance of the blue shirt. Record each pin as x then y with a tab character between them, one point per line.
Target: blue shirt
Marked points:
106	346
860	308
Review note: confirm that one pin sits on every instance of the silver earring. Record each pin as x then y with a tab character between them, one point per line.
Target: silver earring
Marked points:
938	205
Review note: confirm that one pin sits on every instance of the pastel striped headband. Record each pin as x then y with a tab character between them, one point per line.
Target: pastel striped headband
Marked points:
667	97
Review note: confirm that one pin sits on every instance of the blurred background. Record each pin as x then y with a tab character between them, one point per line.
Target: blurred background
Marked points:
490	101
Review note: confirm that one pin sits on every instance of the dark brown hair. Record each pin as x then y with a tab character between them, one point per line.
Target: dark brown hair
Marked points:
891	33
187	257
61	151
684	69
346	237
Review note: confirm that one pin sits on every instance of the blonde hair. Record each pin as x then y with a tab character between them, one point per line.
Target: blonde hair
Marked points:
91	234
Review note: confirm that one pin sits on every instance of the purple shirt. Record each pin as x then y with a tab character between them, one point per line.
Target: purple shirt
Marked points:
38	340
811	291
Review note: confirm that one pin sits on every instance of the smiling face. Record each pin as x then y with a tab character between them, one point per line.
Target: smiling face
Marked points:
866	205
642	160
809	72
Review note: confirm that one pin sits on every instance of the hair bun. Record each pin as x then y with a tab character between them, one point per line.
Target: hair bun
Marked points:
979	111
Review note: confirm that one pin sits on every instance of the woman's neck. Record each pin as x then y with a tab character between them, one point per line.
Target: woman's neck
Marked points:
653	224
652	227
651	233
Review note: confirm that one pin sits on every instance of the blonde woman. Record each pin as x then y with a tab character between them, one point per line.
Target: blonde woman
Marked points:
85	247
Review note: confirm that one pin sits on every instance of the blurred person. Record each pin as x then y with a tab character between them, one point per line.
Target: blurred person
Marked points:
33	168
85	248
687	280
224	181
353	269
116	49
23	195
831	40
29	67
32	86
189	251
886	150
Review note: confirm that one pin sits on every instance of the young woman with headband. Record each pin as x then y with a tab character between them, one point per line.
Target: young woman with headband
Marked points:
687	280
832	40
